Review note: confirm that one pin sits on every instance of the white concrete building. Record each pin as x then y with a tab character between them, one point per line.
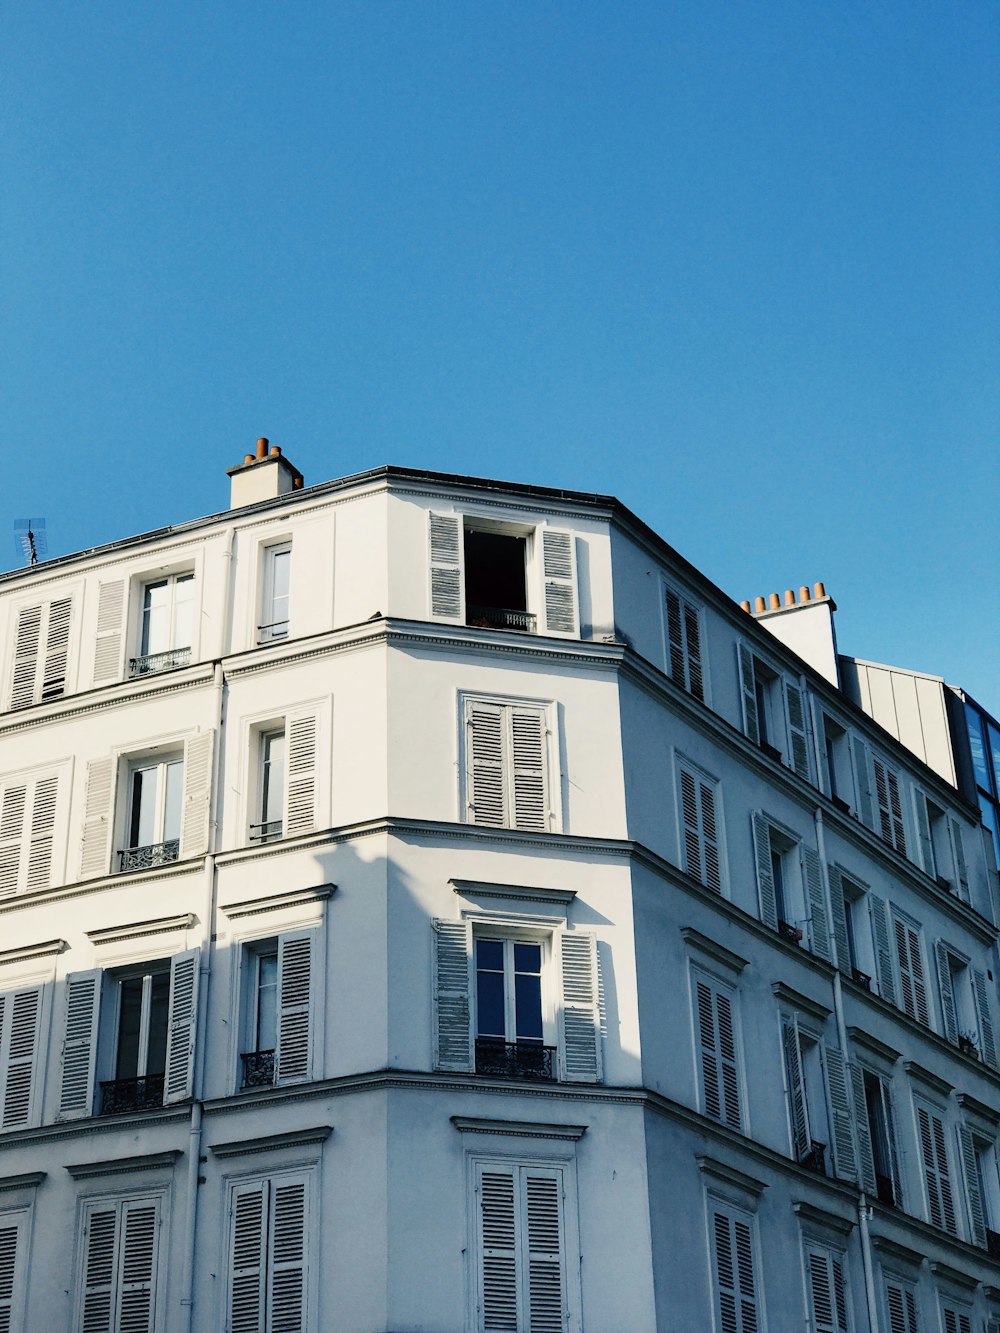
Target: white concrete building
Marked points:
429	904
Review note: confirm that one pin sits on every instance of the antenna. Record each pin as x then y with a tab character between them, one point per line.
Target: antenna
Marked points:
30	541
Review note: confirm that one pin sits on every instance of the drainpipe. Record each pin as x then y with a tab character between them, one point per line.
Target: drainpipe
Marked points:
838	1009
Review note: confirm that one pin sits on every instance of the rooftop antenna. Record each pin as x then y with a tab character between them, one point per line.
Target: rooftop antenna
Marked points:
30	540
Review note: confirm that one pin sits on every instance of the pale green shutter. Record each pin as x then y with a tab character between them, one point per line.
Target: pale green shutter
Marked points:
946	990
883	957
97	818
970	1167
300	797
798	737
108	640
559	576
19	1046
247	1258
845	1162
748	692
819	931
987	1039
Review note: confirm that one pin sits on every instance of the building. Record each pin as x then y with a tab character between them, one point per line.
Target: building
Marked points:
430	904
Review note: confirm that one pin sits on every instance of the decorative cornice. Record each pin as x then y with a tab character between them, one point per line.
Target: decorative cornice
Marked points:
28	952
99	699
524	1129
696	941
96	1124
926	1076
467	888
81	888
973	1106
729	1175
138	929
805	1003
896	1253
945	1273
293	1138
275	902
873	1044
27	1180
120	1166
819	1219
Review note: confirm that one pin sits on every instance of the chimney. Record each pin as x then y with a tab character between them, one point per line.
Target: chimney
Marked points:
804	623
263	475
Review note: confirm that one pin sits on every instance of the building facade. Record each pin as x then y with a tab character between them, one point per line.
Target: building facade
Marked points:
429	905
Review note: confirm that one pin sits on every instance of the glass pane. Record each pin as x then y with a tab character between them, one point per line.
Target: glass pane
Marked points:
489	954
979	763
527	958
267	1002
281	564
156	1056
174	800
989	813
129	1020
183	611
994	736
528	1005
273	800
142	818
155	618
490	1007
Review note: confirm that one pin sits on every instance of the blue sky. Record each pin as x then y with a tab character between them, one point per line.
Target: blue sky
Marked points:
736	264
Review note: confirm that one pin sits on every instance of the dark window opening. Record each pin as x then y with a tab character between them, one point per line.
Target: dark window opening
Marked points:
495	586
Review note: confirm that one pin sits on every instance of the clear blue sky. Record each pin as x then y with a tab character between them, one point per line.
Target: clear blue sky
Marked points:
736	264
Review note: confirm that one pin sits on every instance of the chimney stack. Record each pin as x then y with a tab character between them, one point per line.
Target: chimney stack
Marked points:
804	623
263	475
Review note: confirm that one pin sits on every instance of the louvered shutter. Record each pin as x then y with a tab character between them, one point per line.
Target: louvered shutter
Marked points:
710	837
924	839
559	575
295	999
581	1023
701	832
486	795
838	911
911	971
26	640
827	1292
542	1201
182	1020
935	1163
108	640
247	1271
798	736
94	855
861	777
890	1130
692	638
302	773
100	1263
946	990
987	1038
12	809
286	1270
845	1161
973	1193
451	995
22	1009
13	1236
43	823
819	931
198	752
137	1266
797	1108
890	810
902	1309
896	812
883	958
748	693
447	559
734	1274
955	1321
527	769
83	997
684	663
56	658
765	878
865	1153
498	1248
958	857
717	1053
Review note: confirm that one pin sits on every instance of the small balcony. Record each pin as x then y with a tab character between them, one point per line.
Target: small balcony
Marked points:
814	1158
258	1069
269	831
120	1096
278	629
789	932
145	858
153	663
499	617
514	1059
862	978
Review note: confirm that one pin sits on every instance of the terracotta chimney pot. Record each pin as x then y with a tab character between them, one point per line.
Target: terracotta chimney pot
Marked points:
745	606
819	590
789	597
774	601
275	451
262	447
248	458
804	594
758	604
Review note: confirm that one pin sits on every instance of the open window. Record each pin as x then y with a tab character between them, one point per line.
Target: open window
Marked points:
877	1131
774	712
153	818
275	593
166	625
806	1090
277	1019
790	886
272	768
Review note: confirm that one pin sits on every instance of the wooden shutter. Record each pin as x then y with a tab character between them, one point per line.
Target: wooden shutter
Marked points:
716	1041
748	693
100	1246
13	1242
701	830
43	823
198	752
845	1160
182	1021
581	1023
527	769
827	1293
295	986
902	1308
498	1248
838	911
710	837
83	997
819	930
865	1154
911	971
26	640
19	1055
987	1038
542	1204
935	1163
447	559
247	1266
12	810
451	995
946	990
56	657
485	731
890	810
94	854
286	1269
765	878
108	640
301	795
684	663
137	1266
973	1194
692	639
924	839
883	957
735	1283
798	736
958	858
956	1321
861	778
797	1109
559	575
692	825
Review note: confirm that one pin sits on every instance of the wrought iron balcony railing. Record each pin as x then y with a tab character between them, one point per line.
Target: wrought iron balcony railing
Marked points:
144	858
514	1059
862	978
154	662
258	1069
270	831
499	617
814	1158
268	633
121	1095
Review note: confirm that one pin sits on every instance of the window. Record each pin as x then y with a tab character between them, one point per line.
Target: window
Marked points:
827	1289
716	1049
278	988
901	1304
805	1086
877	1137
521	1279
521	1017
13	1268
140	1058
889	806
955	1318
269	1222
153	818
979	1167
20	1024
838	779
506	576
847	903
909	959
271	788
790	886
507	781
682	631
734	1269
774	712
166	625
700	847
984	746
27	830
41	653
934	1161
119	1264
965	1009
274	602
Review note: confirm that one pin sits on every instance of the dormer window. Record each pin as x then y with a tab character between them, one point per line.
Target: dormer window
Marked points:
496	594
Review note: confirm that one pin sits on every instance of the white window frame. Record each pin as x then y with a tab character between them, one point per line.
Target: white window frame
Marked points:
248	947
171	577
119	1202
263	735
688	671
547	712
140	764
270	630
269	1181
510	934
17	1220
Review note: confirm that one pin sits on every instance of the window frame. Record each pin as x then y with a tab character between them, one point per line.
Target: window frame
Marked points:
160	762
682	807
308	1175
119	1202
249	947
551	776
265	630
688	671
